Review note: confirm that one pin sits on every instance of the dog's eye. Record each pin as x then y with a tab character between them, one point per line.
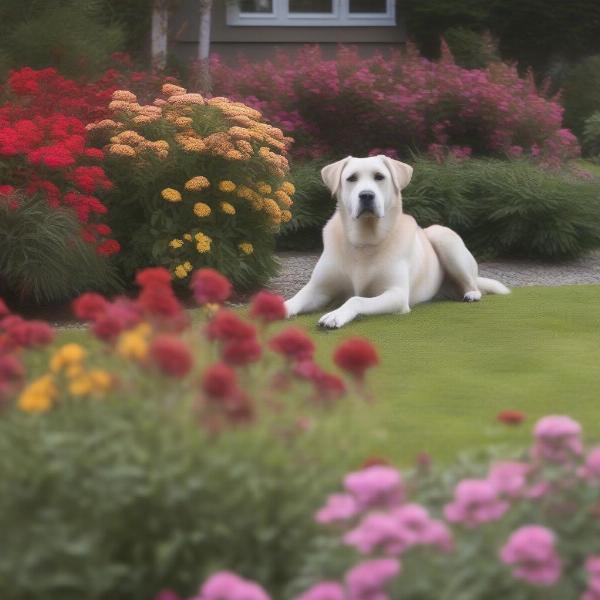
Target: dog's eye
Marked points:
379	176
352	178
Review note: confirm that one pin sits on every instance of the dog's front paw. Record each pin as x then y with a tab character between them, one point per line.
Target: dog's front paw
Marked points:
290	309
336	319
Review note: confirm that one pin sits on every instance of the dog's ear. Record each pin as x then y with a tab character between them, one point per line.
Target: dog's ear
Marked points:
401	172
331	174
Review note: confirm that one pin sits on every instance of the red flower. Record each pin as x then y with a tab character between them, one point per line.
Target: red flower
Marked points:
6	190
355	356
219	381
209	286
159	301
241	352
27	334
267	307
90	306
327	385
511	417
3	308
226	326
108	247
152	277
293	343
171	356
120	315
11	369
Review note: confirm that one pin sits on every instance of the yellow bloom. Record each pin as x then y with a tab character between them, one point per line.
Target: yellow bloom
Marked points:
121	150
246	247
124	95
187	237
283	198
171	195
203	243
176	243
38	396
187	265
128	137
234	155
102	381
67	356
180	272
80	386
271	208
104	123
286	216
201	209
263	188
183	121
120	105
197	184
133	344
227	208
227	186
170	89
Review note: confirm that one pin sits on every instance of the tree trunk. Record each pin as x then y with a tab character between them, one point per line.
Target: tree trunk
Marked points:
160	25
203	68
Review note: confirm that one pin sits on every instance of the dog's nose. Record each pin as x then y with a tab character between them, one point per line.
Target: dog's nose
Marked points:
367	202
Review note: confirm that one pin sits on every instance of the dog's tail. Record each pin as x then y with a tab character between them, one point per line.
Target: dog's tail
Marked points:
491	286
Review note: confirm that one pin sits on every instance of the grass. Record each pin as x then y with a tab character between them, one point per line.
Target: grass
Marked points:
448	368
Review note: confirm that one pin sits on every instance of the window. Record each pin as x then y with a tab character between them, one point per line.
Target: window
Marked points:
303	13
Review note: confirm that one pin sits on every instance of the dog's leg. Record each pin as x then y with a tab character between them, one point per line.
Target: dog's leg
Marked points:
394	300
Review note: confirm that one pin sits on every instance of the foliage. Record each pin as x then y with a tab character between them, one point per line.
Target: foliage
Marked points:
71	35
43	258
470	49
581	93
591	135
153	448
399	103
197	183
501	208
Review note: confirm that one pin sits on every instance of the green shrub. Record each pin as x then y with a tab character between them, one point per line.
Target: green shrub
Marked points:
43	258
471	49
581	93
501	208
70	35
591	135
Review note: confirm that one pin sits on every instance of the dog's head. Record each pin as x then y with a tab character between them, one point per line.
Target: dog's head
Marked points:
367	186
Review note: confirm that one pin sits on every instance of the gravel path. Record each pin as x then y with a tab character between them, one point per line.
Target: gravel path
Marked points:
296	268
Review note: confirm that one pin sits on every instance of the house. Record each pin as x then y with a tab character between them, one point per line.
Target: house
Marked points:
256	28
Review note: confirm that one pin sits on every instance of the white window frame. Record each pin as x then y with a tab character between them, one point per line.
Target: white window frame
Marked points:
340	17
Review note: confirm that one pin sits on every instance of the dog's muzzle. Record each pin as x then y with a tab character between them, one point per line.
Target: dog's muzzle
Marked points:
366	203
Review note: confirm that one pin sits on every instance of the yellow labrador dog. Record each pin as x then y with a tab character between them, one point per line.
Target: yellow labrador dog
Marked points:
376	257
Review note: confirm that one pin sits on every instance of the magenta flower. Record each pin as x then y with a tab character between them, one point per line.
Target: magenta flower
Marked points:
531	552
226	585
415	521
379	531
509	479
339	507
375	487
325	590
475	502
592	566
591	469
367	580
557	439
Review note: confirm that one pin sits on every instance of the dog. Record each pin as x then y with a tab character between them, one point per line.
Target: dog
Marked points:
376	257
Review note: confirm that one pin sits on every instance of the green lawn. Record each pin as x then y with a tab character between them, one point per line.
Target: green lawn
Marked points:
448	368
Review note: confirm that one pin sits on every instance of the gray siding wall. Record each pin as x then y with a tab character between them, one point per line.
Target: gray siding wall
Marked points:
261	42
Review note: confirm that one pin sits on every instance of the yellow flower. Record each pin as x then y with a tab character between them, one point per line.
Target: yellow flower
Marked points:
102	381
227	186
201	209
134	344
180	272
263	188
283	198
171	195
38	396
128	137
286	216
271	208
197	184
227	208
176	243
187	237
183	122
187	265
124	95
80	386
203	243
68	355
246	247
170	89
121	150
234	155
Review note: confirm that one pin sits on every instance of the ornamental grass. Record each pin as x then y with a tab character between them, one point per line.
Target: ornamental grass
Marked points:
198	183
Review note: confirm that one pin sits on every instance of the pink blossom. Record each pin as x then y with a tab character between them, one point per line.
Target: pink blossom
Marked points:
531	552
226	585
367	580
592	566
325	590
557	439
509	479
339	507
591	469
376	486
475	502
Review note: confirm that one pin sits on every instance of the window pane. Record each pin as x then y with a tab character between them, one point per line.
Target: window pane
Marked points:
368	6
311	6
256	6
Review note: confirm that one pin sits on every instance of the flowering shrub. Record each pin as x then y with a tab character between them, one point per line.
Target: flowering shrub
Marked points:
400	103
198	183
525	529
191	443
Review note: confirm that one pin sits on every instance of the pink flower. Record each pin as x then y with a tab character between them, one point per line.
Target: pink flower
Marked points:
209	286
557	439
226	585
592	566
509	478
421	528
377	486
325	590
475	502
531	552
267	307
591	469
367	580
339	507
379	531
